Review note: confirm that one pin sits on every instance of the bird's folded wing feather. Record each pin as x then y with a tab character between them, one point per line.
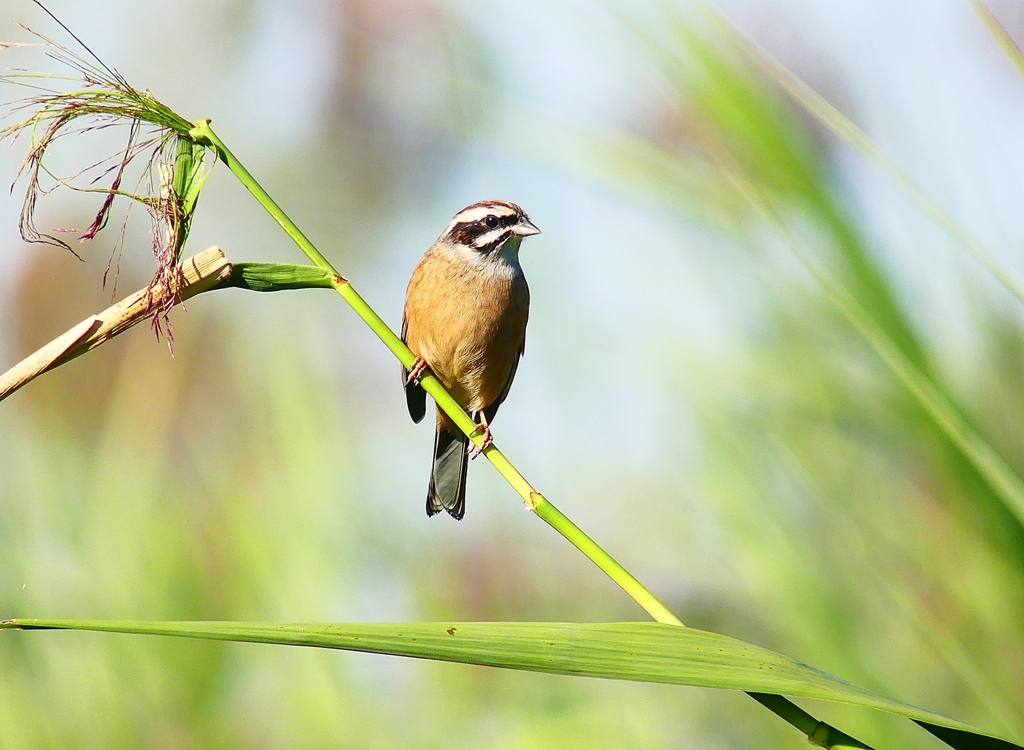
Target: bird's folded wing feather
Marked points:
415	396
492	409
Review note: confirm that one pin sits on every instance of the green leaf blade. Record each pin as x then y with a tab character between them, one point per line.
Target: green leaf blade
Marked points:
642	652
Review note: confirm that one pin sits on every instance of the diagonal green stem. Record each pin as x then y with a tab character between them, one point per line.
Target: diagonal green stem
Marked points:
561	523
204	134
817	732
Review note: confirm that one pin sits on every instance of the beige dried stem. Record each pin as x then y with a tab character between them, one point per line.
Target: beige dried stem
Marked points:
197	274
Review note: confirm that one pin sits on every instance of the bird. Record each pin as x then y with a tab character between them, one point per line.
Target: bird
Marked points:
465	315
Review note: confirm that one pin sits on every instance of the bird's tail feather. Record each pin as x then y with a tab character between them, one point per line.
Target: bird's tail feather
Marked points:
448	476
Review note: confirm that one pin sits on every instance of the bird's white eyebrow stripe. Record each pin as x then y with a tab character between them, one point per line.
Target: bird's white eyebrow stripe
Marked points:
475	213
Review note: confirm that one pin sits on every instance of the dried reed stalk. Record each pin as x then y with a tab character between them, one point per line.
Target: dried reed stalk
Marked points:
195	275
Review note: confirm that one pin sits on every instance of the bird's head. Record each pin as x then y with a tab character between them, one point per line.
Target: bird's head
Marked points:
489	227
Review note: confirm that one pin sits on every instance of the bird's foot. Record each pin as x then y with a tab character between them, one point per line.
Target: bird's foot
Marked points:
477	450
419	366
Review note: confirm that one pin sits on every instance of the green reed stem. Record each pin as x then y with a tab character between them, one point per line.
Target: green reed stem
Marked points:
203	133
817	732
560	523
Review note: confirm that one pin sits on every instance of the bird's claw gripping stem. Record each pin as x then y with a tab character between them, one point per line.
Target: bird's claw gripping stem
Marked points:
419	366
477	450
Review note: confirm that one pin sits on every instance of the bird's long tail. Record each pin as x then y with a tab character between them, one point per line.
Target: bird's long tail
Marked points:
448	476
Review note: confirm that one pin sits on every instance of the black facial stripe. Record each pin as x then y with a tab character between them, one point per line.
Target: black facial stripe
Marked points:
468	232
465	232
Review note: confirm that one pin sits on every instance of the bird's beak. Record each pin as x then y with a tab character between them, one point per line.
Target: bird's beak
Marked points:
525	228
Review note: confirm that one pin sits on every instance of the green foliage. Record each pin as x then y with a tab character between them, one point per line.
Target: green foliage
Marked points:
847	452
805	420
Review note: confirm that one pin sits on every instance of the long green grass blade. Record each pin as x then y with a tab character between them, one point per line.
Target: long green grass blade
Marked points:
643	652
1001	477
1004	40
844	129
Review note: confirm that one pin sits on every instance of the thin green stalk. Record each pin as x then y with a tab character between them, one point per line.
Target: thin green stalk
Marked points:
999	33
203	133
842	127
560	523
817	732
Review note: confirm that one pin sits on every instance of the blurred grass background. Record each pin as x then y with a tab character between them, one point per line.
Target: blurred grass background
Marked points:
689	395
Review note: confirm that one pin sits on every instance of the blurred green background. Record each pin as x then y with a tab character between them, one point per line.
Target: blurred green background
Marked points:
689	395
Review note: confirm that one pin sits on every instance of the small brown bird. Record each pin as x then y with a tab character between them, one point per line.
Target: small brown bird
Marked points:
465	318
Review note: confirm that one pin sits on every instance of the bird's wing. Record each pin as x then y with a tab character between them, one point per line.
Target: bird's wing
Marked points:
492	409
415	396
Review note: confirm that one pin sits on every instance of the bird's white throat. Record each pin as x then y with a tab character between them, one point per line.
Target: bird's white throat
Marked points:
502	262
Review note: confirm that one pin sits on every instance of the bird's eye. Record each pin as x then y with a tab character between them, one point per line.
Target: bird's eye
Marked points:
491	222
